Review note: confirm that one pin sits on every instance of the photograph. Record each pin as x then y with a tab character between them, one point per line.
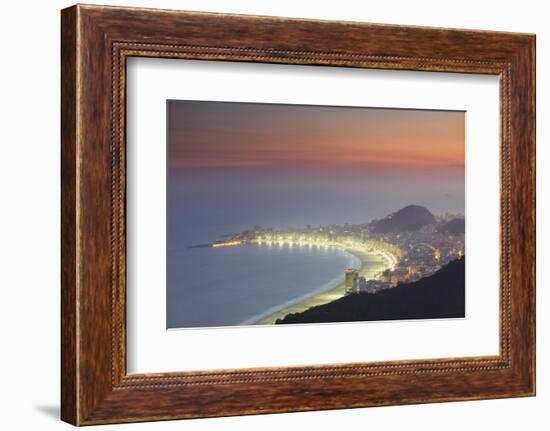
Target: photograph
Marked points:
305	214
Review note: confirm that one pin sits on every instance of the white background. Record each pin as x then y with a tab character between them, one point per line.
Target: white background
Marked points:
29	217
152	349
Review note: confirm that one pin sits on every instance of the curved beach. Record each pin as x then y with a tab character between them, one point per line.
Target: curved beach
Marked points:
372	264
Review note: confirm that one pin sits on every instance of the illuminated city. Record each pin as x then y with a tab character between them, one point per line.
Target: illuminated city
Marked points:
408	256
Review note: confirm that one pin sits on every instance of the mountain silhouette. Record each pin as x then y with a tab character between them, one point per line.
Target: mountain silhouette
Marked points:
455	226
410	218
440	295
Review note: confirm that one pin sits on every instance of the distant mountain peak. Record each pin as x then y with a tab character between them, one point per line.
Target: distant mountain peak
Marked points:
455	226
413	207
409	218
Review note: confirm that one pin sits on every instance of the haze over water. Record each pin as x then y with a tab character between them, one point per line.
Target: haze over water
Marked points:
233	166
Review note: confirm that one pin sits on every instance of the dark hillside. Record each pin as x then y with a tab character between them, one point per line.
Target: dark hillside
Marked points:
455	227
410	218
440	295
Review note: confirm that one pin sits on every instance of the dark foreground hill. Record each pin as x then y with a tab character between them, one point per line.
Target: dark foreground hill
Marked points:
440	295
410	218
455	226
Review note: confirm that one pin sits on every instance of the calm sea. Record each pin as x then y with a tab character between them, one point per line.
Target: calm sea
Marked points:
231	285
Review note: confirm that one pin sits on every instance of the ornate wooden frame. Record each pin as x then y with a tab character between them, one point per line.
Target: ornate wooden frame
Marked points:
96	41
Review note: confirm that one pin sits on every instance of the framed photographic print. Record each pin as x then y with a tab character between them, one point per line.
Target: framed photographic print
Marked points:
266	215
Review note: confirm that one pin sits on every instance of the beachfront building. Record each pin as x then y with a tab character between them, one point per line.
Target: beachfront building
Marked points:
351	279
361	285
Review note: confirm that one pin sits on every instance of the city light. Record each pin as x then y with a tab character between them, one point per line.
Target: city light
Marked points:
407	255
226	244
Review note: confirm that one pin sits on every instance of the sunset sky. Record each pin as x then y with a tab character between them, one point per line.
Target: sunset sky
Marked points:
268	136
290	165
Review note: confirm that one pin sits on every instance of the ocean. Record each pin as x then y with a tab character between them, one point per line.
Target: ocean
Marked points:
237	285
